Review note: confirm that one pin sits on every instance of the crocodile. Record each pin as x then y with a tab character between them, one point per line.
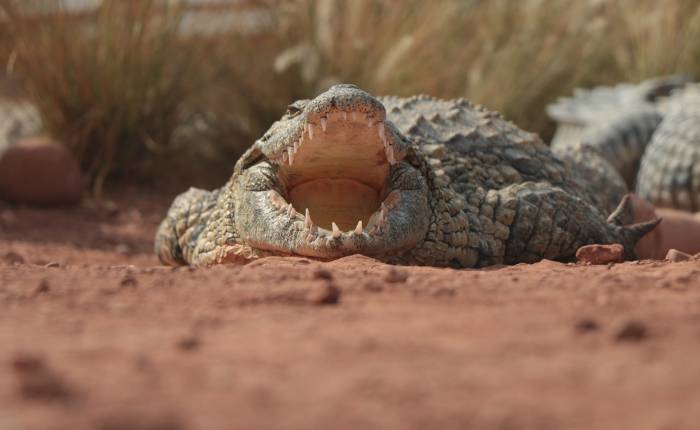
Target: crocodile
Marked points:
411	181
648	132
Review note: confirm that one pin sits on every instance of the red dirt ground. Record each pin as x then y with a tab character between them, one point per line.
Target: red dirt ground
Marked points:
95	334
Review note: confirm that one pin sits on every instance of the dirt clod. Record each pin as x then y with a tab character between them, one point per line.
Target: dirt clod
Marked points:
43	287
374	286
129	280
322	273
601	254
324	294
632	331
188	343
37	381
396	276
586	325
12	257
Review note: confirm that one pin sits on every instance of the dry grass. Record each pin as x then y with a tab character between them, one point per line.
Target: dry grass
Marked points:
109	85
511	56
117	95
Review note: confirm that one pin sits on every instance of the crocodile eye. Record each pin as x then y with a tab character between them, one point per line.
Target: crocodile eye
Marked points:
295	108
292	110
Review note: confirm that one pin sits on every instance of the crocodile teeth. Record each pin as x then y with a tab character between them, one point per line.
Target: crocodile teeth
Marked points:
290	151
380	132
390	155
382	213
354	116
358	229
369	122
307	220
323	124
344	115
336	231
284	156
311	132
296	146
290	210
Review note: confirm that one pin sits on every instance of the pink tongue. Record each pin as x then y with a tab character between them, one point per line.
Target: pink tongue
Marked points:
343	201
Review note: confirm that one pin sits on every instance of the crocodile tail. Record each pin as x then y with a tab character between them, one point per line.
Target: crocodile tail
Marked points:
621	220
623	139
178	232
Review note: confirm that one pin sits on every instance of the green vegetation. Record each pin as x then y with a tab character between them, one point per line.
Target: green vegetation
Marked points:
127	91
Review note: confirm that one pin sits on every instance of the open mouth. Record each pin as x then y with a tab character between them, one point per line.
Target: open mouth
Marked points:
337	178
335	174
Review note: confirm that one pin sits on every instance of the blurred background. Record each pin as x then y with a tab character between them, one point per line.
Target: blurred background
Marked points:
162	92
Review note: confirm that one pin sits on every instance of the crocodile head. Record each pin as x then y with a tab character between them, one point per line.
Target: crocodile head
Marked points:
331	178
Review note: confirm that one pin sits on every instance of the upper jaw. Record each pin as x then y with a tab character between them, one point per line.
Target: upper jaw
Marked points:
313	127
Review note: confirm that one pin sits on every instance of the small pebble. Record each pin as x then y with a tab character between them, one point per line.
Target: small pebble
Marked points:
675	256
601	254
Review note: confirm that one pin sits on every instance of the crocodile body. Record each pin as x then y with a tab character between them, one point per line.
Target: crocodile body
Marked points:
652	142
428	182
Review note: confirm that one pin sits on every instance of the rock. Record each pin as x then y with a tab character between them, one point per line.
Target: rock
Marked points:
39	171
675	256
601	254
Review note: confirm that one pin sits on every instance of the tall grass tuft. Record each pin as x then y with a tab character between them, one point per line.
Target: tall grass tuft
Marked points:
108	83
117	86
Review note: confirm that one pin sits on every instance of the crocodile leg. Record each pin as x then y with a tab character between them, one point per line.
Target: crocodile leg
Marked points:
179	232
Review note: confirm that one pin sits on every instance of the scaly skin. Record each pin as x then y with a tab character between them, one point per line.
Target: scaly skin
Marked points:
459	187
652	143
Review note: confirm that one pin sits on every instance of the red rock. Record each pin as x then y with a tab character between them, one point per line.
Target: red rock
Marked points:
39	171
675	255
601	254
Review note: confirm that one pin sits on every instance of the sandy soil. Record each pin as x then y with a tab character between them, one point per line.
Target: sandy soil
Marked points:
95	334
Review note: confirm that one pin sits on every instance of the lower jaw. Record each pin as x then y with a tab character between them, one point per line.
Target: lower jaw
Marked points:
343	201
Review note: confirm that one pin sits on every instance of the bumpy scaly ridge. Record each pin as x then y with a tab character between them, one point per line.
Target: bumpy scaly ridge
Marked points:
669	174
645	133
